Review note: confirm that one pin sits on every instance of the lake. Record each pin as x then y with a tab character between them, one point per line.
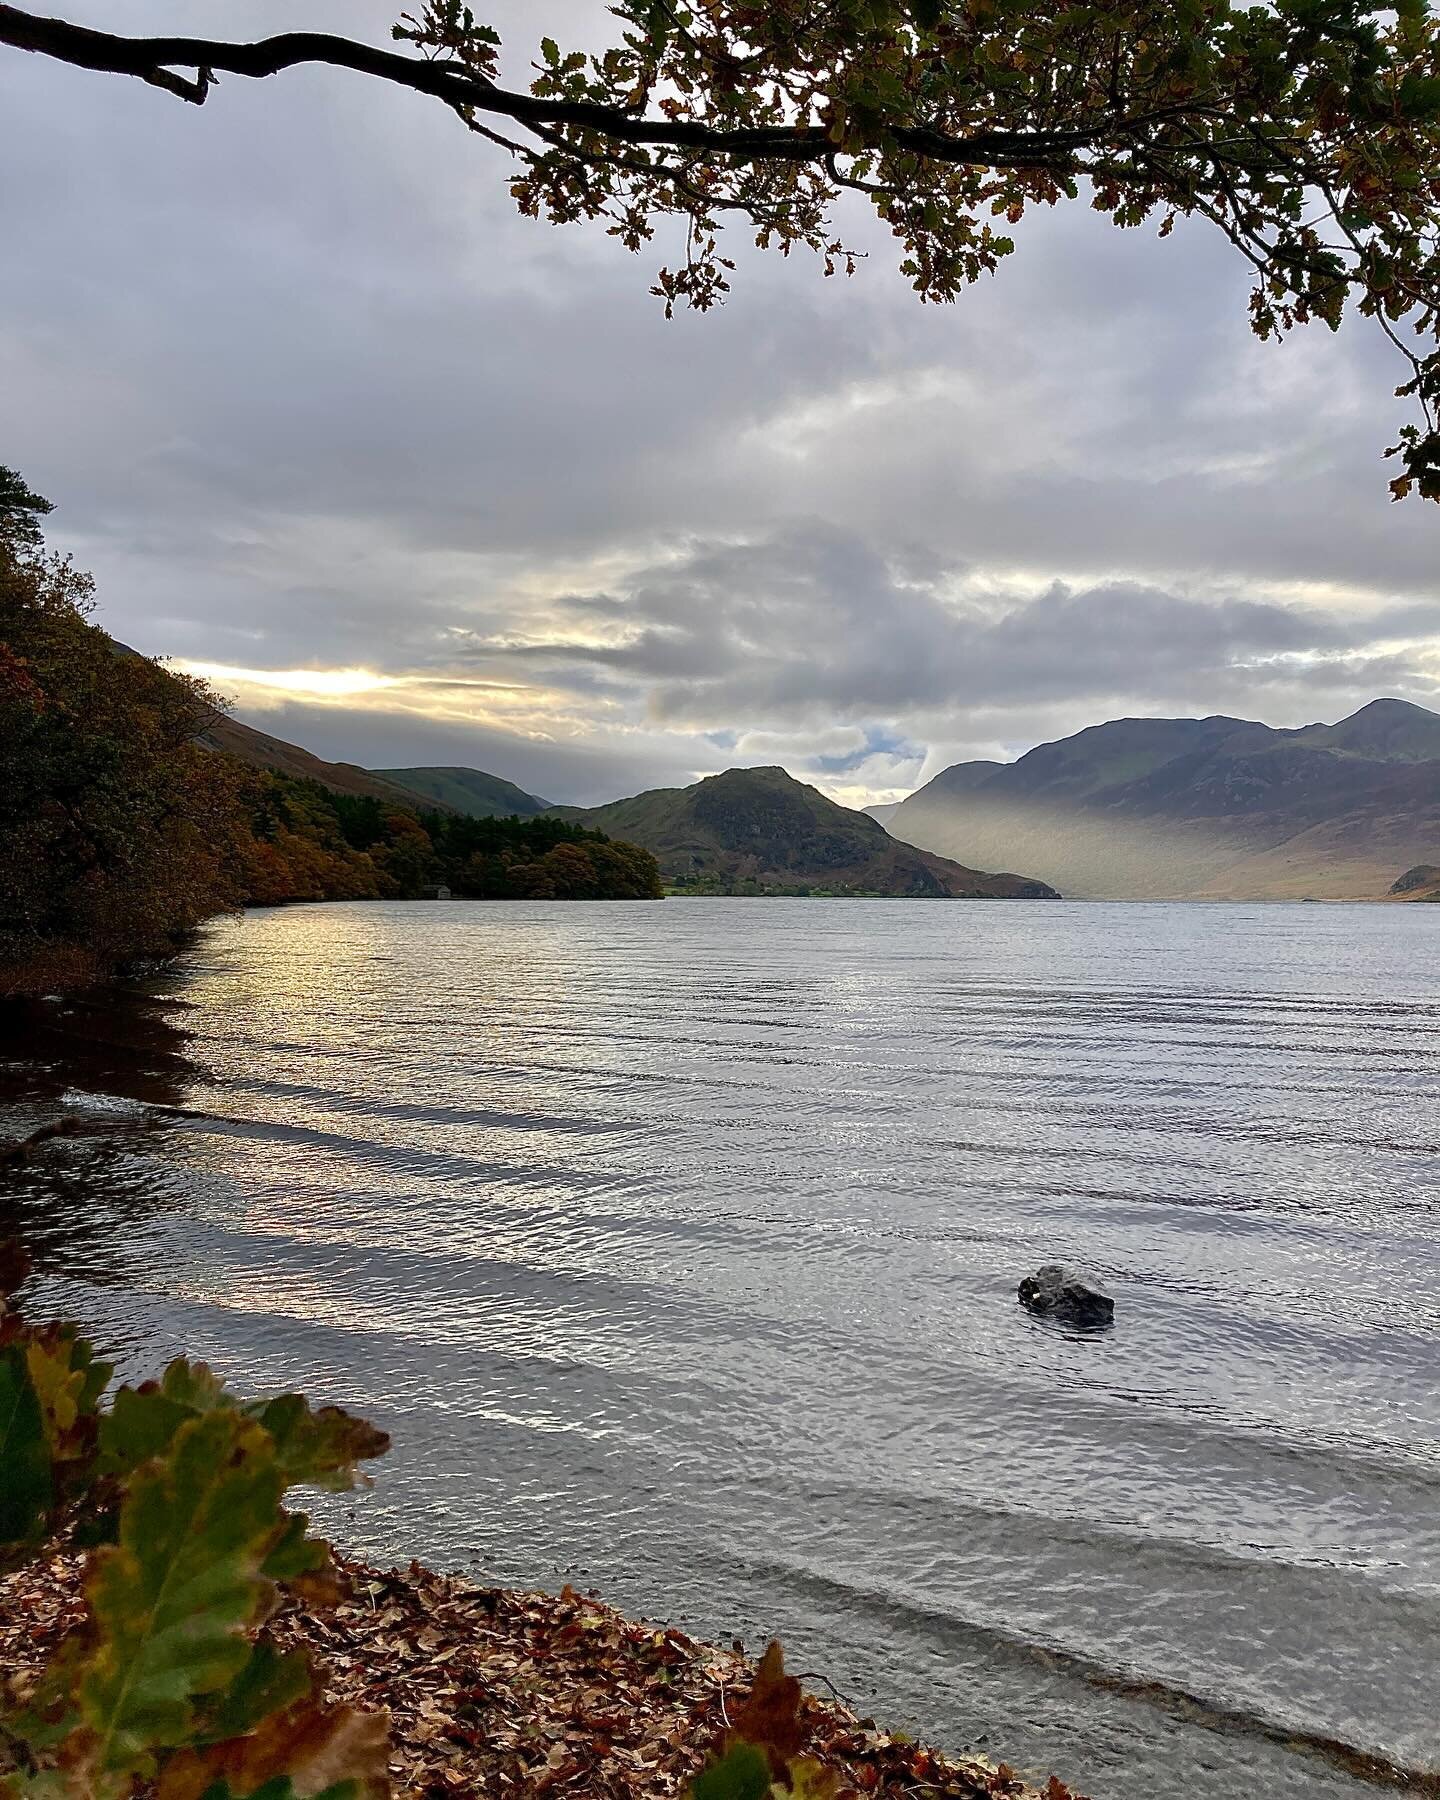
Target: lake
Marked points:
677	1247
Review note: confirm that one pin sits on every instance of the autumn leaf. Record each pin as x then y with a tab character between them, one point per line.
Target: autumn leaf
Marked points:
811	1780
770	1716
329	1751
68	1383
170	1601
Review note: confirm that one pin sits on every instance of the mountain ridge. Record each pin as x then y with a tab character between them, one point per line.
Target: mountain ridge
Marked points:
262	751
1212	808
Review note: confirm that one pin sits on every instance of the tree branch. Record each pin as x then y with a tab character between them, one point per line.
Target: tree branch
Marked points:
154	60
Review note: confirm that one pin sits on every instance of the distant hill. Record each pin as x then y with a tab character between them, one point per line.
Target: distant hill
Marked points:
761	831
1216	808
265	752
1421	883
469	791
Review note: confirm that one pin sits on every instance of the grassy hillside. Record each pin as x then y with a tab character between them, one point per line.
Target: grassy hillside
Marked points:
760	831
469	791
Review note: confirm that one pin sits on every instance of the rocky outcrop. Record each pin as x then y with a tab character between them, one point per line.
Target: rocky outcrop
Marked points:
1053	1293
1420	883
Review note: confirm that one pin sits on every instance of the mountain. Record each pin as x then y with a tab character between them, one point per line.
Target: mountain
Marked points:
1213	809
265	752
761	831
469	791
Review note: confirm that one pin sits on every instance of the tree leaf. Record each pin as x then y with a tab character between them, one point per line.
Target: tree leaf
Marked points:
271	1681
316	1447
195	1386
811	1780
26	1480
304	1566
320	1447
141	1424
742	1773
68	1382
770	1715
169	1603
321	1750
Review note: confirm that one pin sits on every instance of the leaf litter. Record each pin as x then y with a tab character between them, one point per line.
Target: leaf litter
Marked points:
517	1695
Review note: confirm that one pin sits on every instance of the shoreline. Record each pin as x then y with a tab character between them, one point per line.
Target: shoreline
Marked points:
506	1692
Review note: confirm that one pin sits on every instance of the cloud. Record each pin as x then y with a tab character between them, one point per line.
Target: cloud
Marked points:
311	397
815	623
805	647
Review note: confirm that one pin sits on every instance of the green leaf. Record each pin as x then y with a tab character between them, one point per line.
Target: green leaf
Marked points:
195	1386
317	1448
742	1773
271	1681
304	1566
171	1601
281	1787
26	1481
141	1424
293	1554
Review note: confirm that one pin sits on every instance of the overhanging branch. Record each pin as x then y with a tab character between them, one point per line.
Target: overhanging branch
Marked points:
155	60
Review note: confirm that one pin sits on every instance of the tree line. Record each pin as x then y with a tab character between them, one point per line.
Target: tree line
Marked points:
306	843
119	832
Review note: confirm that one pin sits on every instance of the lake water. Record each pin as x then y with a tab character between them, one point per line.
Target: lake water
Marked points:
677	1247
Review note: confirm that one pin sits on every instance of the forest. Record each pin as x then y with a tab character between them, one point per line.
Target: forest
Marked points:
307	843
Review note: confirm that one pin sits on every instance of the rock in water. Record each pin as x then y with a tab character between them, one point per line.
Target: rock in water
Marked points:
1053	1294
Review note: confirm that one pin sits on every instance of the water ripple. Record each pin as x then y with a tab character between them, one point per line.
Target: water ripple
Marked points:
676	1246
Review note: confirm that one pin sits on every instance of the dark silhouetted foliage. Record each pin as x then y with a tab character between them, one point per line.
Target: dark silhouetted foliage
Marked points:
1306	132
114	824
312	844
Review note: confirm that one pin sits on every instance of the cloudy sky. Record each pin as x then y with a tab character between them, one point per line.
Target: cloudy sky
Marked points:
416	480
